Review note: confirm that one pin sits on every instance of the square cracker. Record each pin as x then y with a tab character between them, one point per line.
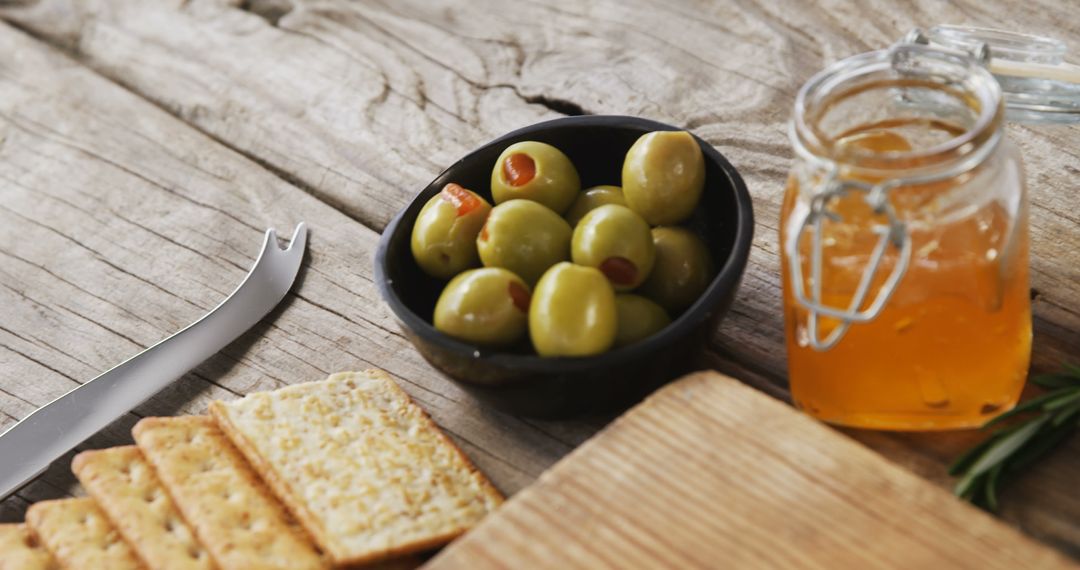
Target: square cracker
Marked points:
362	467
19	550
128	491
79	535
232	512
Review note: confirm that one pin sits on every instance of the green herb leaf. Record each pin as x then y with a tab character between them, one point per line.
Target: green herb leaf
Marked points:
1067	399
992	480
1064	416
1007	445
1056	380
1048	440
966	487
1027	406
968	457
964	462
983	469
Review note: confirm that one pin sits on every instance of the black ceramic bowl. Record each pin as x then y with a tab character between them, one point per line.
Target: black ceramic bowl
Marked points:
527	384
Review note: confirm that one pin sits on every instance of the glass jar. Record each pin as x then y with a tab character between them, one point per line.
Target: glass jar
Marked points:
904	244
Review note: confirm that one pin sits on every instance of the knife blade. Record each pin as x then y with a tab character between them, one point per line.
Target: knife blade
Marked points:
28	447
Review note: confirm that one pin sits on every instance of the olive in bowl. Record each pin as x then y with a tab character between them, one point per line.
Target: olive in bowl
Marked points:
637	319
535	171
663	176
682	269
524	237
487	306
572	312
616	241
591	199
444	235
514	378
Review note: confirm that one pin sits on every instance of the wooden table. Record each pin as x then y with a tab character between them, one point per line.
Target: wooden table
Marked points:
144	147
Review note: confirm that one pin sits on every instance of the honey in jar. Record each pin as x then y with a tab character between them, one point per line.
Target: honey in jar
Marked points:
904	245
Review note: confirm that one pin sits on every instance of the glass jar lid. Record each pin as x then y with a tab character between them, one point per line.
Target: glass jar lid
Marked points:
1038	85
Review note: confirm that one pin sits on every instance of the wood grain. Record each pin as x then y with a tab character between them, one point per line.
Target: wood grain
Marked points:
708	473
375	98
120	224
358	105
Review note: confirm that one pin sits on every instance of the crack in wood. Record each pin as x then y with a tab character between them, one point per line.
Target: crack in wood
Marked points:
556	104
487	453
101	258
421	101
61	139
39	363
15	396
534	424
42	343
270	10
73	285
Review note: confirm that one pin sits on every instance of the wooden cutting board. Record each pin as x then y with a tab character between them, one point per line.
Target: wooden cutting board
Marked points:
709	473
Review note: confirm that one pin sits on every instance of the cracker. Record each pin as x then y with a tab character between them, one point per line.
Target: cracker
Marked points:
231	511
129	493
363	468
79	535
19	550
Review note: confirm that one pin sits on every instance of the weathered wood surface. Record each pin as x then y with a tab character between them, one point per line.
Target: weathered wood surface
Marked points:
120	224
655	490
138	174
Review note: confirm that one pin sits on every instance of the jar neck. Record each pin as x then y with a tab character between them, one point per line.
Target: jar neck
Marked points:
949	104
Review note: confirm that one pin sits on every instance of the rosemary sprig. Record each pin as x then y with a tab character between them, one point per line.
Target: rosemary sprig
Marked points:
1051	418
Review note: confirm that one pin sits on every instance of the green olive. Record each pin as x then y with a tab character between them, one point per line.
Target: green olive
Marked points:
616	241
487	306
444	234
682	271
524	237
663	176
591	199
535	171
572	312
638	318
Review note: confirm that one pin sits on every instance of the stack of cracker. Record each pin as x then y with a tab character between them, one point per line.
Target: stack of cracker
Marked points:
345	472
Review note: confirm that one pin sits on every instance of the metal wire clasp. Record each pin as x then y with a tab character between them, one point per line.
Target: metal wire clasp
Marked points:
894	234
